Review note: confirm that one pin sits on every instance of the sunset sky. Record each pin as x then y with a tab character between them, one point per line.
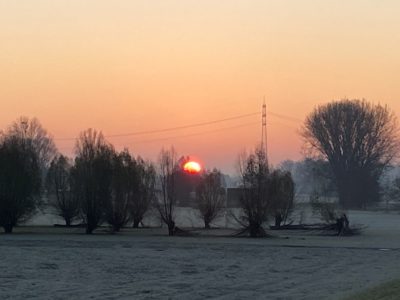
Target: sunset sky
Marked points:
131	66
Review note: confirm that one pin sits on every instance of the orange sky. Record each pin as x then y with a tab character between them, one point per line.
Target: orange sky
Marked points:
127	66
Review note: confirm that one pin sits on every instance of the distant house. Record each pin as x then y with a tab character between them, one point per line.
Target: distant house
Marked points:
186	185
186	194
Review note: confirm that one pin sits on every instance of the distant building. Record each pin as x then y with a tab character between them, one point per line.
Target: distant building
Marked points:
186	185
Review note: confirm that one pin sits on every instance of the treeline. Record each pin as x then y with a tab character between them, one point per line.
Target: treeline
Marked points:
351	144
99	185
102	185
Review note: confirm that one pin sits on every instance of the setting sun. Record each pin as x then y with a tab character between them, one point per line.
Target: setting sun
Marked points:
192	167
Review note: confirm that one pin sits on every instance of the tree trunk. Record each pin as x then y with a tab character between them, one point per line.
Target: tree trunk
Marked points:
68	222
8	228
171	228
357	189
90	228
206	223
347	192
278	220
136	223
256	230
253	231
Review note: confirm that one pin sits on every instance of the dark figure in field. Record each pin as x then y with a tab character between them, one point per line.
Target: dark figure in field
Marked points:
278	220
346	222
342	224
339	225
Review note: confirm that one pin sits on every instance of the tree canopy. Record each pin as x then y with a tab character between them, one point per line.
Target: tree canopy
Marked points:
20	181
359	139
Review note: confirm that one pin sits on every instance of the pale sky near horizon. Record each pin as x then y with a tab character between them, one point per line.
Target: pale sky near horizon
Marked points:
128	66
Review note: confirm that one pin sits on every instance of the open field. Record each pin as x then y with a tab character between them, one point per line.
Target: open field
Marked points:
59	263
387	291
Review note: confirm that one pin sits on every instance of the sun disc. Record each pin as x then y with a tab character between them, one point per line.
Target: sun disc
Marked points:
192	167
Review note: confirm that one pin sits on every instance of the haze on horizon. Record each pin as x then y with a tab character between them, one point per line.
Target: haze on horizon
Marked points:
128	66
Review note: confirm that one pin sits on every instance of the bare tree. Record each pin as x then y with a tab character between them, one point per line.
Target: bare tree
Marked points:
124	187
359	140
92	175
133	190
41	141
146	191
255	202
210	196
167	169
282	193
60	189
20	182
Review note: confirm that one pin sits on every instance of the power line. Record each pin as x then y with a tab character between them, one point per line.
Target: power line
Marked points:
280	116
288	118
198	133
171	128
193	134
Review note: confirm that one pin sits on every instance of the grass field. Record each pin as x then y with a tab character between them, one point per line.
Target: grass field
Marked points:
386	291
60	263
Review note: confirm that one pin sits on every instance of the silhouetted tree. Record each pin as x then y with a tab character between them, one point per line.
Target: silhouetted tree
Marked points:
359	140
124	188
39	139
167	170
145	194
20	181
210	196
92	175
59	185
256	202
282	193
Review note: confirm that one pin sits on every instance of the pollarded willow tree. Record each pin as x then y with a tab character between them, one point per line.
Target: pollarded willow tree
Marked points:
32	132
20	181
146	191
359	139
26	150
256	201
282	192
167	172
92	176
60	186
133	190
123	182
210	196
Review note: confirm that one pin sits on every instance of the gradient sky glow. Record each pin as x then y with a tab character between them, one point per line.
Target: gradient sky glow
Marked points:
127	66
